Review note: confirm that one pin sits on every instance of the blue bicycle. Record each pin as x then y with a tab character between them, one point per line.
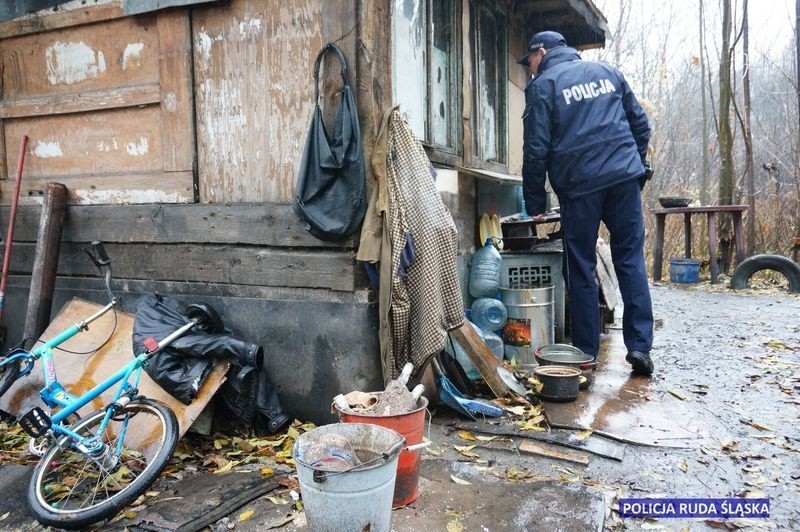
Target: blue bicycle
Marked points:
96	465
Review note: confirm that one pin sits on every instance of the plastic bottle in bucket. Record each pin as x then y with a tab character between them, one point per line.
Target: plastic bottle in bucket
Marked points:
484	272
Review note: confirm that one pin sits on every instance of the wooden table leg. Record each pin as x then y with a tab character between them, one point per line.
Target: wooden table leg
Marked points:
712	245
687	235
738	236
658	246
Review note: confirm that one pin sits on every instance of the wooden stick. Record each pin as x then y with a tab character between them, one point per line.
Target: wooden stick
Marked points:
45	262
481	357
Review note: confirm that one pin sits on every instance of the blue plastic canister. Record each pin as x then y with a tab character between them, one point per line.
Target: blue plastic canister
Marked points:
484	272
489	314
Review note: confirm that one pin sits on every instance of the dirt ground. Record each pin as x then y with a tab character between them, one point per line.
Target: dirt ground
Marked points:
718	419
722	407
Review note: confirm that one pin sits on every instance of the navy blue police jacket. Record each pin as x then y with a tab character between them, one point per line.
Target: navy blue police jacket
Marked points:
583	127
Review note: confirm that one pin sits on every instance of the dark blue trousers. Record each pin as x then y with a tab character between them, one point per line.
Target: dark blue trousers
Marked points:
620	209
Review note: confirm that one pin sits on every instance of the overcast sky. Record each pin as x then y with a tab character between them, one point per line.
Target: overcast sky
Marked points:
771	21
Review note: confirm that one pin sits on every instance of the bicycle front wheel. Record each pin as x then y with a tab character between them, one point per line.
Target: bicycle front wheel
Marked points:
8	374
73	489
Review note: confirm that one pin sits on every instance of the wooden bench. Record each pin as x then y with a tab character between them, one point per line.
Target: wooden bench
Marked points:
711	220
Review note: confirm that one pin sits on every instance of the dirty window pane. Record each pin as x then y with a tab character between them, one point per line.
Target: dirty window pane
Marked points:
490	89
425	63
442	75
408	62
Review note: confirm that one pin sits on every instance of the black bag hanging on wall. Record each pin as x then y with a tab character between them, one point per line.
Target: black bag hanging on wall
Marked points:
331	191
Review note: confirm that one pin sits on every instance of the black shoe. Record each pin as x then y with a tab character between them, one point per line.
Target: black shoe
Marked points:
641	363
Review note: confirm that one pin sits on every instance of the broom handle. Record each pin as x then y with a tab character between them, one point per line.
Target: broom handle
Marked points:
11	218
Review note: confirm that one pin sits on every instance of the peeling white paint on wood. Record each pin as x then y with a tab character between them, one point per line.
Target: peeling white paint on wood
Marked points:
113	197
46	150
132	53
249	28
203	43
73	62
137	148
254	97
170	102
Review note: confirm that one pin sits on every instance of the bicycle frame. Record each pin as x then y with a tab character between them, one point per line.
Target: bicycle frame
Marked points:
55	395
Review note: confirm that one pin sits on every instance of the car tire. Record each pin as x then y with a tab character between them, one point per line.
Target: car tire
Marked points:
756	263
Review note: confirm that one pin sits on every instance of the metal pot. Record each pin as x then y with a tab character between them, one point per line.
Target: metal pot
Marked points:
559	384
567	355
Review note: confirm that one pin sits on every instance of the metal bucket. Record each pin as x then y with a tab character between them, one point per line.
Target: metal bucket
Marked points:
530	324
351	499
412	426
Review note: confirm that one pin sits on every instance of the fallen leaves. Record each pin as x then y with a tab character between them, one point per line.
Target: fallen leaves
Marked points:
282	521
678	395
466	450
466	435
454	526
460	481
244	516
754	424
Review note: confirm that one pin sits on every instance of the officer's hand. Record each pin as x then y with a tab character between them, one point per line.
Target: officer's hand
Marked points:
538	217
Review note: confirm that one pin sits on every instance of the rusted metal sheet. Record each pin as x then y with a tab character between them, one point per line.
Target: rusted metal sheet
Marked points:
254	97
108	108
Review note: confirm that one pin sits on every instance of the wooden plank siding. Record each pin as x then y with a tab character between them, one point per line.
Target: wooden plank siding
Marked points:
252	244
254	96
208	263
106	101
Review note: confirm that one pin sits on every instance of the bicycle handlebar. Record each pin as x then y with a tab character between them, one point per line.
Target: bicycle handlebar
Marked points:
100	253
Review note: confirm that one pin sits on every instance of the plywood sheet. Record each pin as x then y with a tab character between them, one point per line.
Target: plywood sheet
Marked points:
93	56
107	106
78	373
254	96
118	141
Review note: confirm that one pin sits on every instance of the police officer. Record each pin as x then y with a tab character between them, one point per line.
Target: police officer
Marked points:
585	129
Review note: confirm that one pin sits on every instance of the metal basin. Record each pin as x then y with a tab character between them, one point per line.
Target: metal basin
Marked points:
567	355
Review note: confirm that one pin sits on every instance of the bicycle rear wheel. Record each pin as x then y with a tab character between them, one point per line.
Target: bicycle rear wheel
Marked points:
72	489
8	374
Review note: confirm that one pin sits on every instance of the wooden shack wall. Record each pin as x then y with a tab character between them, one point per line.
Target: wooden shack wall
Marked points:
232	237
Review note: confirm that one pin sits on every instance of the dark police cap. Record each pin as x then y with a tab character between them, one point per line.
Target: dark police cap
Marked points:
543	39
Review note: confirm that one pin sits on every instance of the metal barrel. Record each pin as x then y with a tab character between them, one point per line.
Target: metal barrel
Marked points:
530	324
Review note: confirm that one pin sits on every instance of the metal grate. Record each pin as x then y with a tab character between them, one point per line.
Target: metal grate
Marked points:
537	268
529	275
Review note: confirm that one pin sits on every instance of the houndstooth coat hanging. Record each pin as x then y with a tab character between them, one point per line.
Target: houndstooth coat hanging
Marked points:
409	230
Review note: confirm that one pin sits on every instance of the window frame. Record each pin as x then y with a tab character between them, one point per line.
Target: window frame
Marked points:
451	153
499	30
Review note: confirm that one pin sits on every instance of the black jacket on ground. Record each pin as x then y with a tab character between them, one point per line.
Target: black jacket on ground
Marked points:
583	127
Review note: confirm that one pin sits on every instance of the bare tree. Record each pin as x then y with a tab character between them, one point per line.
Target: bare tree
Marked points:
703	97
748	134
725	135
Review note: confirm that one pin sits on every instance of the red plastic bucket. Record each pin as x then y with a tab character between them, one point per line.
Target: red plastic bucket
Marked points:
412	426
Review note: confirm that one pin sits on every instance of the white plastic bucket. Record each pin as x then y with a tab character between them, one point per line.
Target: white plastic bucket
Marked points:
356	499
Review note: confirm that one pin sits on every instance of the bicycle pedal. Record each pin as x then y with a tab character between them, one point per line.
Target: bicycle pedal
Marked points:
35	422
